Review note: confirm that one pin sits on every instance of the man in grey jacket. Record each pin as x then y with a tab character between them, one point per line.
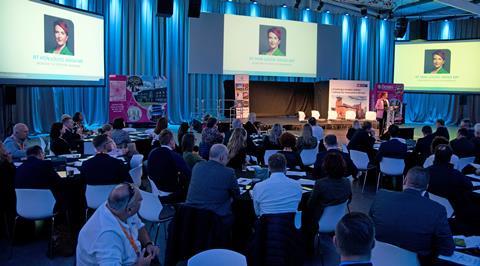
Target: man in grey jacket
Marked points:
15	144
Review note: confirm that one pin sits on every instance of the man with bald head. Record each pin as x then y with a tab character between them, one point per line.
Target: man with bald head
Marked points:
115	235
15	144
213	185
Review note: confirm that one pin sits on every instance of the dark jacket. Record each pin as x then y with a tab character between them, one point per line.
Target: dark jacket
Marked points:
238	160
103	169
351	131
250	128
318	171
476	142
270	145
362	141
422	148
413	222
7	187
276	242
37	174
293	160
392	149
164	166
73	139
327	192
302	145
59	146
463	147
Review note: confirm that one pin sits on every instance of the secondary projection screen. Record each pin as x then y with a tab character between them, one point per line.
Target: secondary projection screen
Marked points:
46	44
438	66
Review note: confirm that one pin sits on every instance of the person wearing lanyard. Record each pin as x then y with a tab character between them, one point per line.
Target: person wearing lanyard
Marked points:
115	235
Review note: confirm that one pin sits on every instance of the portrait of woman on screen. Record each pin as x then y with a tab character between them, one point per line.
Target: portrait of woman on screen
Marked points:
274	41
60	34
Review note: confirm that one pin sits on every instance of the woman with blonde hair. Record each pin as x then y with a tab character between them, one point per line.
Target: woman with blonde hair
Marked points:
237	149
272	141
307	140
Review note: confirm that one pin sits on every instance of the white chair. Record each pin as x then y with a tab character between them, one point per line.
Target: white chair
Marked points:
390	167
309	156
217	257
332	115
316	114
88	148
130	129
43	144
267	155
34	204
384	254
136	174
298	219
350	115
151	210
301	116
137	159
157	191
149	131
330	217
371	116
444	202
462	162
96	195
361	161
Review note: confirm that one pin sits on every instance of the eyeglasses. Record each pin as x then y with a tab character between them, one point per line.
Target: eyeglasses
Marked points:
131	192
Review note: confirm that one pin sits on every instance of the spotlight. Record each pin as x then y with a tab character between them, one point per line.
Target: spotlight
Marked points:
363	11
297	3
229	0
320	5
446	20
284	5
347	14
328	11
254	2
308	9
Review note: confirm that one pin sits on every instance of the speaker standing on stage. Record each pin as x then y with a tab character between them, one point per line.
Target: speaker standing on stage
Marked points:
382	106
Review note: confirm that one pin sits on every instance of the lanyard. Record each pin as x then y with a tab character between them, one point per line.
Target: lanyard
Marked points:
130	239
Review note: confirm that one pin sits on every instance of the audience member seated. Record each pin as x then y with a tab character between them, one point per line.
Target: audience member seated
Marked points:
162	123
476	142
102	169
306	140
272	140
168	169
278	193
213	185
106	130
467	124
115	235
294	161
331	146
411	221
334	189
354	239
182	130
70	134
210	136
7	188
363	140
236	123
57	144
422	147
120	136
78	123
351	131
438	141
191	157
441	130
15	144
251	125
462	146
317	131
394	148
237	149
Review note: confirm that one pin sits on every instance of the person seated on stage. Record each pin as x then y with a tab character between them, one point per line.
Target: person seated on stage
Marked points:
430	159
251	125
411	221
213	185
294	161
120	136
363	140
103	169
331	146
57	144
168	169
354	239
71	135
272	140
422	147
351	131
394	148
467	123
441	130
15	144
278	193
334	189
237	149
306	140
210	136
115	235
462	146
317	131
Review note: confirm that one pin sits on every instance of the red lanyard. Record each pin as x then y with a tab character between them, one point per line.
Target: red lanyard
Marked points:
130	239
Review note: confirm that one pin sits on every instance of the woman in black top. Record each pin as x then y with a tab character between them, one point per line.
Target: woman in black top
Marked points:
272	140
294	161
57	144
237	149
182	130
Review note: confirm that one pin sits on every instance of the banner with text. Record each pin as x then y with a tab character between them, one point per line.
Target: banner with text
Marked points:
348	95
395	97
242	96
137	99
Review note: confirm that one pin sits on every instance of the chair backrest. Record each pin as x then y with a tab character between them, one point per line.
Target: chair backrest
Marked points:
136	174
130	129
384	254
149	131
316	114
96	195
301	116
332	115
157	191
330	217
35	204
151	207
88	148
267	155
137	159
442	201
360	159
309	156
345	148
218	257
371	116
350	115
462	162
392	166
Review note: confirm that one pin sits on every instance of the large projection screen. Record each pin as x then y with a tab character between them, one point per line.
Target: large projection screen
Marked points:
48	44
438	66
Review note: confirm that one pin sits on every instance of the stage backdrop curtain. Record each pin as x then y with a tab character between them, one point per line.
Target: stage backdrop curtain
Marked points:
138	42
426	108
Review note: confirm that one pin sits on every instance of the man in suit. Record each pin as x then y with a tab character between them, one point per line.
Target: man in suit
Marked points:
462	146
422	147
103	169
411	221
168	169
443	132
331	145
394	148
70	135
354	239
363	140
213	185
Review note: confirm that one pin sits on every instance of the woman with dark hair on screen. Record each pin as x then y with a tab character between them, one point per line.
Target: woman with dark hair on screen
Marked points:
274	40
58	145
60	29
438	58
382	106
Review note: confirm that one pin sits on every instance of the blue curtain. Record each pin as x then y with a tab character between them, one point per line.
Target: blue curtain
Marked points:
138	42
